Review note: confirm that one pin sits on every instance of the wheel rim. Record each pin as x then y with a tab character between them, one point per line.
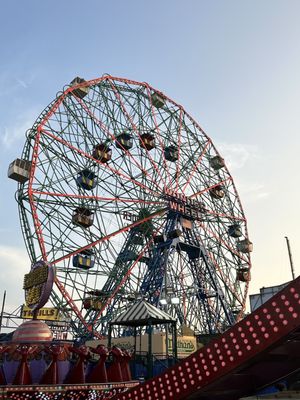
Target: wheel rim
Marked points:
129	190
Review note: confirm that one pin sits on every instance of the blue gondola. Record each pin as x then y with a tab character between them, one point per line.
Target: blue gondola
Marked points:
85	259
157	100
124	141
86	179
235	231
171	153
217	162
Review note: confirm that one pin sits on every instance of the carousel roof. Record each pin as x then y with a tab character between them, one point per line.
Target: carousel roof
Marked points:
142	313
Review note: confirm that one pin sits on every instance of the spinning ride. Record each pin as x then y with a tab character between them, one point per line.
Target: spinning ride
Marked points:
123	192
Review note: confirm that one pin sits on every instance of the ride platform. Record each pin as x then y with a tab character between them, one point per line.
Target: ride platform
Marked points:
65	392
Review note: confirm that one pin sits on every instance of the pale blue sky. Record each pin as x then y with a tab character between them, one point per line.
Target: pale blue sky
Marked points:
234	66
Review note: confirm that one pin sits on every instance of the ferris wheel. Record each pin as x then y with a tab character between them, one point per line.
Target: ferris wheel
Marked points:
124	193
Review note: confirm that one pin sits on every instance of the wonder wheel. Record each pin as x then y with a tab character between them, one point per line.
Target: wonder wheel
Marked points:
123	192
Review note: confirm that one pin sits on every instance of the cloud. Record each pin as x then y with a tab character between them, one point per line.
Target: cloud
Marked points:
22	83
236	155
252	191
14	264
241	156
11	83
13	133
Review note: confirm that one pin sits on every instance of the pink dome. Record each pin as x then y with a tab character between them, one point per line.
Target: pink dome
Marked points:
32	331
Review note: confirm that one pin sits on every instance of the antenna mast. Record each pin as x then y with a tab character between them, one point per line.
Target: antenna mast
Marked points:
290	256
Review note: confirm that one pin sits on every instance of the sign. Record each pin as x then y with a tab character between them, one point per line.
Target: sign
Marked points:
46	313
185	346
60	329
38	284
128	216
184	205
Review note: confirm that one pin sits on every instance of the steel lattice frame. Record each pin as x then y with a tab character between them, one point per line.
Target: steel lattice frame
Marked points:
133	183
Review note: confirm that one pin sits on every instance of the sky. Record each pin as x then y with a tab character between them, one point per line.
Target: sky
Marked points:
233	65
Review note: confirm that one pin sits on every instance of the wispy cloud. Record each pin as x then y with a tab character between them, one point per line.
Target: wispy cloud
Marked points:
22	83
10	134
252	192
236	155
11	83
241	156
14	264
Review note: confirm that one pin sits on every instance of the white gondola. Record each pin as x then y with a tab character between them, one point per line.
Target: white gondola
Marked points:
19	170
82	91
